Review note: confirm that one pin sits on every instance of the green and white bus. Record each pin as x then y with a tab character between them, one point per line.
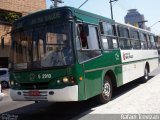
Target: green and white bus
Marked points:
66	54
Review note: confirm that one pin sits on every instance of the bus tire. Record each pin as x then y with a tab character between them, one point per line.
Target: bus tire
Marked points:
146	75
106	94
4	84
36	101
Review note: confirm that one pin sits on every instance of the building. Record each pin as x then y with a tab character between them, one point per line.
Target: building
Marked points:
22	6
133	17
9	11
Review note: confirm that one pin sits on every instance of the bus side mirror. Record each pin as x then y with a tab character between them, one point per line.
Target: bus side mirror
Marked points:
2	42
86	29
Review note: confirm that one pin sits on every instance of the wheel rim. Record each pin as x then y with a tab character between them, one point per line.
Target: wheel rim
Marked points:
107	90
4	84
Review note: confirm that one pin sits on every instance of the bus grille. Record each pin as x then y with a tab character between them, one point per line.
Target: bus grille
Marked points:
35	86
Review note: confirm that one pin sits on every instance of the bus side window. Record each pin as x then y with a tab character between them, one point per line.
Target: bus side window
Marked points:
124	41
101	27
83	37
143	39
90	47
148	41
135	39
92	39
153	43
109	41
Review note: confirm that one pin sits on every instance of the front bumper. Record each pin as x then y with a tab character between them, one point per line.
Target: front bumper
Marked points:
69	93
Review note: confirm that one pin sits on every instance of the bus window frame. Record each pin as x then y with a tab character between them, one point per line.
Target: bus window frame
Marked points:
153	47
98	36
124	37
149	42
144	39
78	38
106	36
134	31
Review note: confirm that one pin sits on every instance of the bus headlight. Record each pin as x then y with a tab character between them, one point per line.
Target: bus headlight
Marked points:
69	80
11	82
65	80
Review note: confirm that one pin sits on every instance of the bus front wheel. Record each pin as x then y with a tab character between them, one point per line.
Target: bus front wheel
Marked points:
106	94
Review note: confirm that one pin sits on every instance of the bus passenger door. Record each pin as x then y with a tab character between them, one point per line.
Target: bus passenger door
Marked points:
88	55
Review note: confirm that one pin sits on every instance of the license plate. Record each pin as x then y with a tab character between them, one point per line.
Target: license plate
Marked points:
34	93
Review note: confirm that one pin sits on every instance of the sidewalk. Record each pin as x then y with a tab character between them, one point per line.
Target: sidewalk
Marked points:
142	99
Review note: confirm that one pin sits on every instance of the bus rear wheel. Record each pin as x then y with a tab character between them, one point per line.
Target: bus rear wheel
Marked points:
146	75
106	94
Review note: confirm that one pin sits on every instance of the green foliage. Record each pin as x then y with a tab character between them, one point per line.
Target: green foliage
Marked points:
9	17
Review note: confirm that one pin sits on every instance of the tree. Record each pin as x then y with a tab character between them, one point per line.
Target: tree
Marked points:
11	17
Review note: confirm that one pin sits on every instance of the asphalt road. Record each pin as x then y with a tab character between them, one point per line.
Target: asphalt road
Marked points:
134	98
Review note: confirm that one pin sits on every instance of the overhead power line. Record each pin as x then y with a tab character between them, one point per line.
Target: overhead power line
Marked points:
82	4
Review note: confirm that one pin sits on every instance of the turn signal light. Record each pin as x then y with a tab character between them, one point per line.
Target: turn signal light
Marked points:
80	78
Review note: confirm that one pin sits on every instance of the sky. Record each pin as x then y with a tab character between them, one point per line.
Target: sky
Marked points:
149	8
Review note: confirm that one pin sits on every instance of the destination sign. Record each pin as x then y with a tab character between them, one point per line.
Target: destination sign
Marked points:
40	18
46	18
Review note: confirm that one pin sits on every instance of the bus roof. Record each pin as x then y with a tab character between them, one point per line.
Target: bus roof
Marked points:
131	26
76	12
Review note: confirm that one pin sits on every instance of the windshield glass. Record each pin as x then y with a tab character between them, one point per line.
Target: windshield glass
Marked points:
44	46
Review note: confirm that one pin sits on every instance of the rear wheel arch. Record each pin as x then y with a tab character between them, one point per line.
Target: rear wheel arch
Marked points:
145	78
108	83
147	66
112	76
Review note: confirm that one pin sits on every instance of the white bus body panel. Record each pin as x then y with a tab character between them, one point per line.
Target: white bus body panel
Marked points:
134	61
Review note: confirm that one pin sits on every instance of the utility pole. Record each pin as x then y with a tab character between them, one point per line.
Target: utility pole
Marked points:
56	2
111	7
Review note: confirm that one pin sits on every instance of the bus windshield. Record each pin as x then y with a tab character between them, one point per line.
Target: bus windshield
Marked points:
44	46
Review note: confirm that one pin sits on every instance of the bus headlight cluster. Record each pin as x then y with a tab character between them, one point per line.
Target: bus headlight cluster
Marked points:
11	82
69	80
